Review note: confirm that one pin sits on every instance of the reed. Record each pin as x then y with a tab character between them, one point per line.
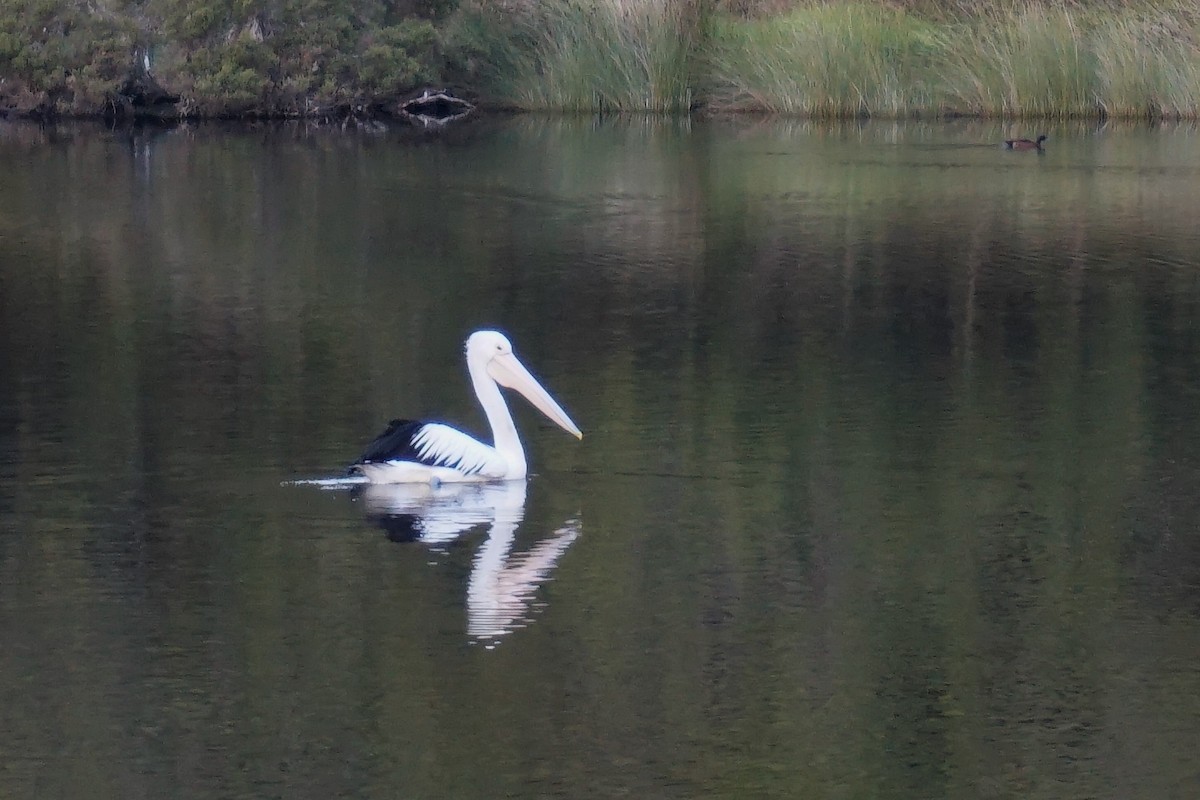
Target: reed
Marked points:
1032	61
1019	60
1148	65
613	55
826	61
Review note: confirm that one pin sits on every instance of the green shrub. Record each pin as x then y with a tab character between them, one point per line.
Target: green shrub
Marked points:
234	77
67	55
388	64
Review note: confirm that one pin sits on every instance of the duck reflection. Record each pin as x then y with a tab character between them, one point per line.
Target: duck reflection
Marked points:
502	586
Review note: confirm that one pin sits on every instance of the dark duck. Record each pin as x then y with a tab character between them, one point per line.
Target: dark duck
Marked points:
1025	144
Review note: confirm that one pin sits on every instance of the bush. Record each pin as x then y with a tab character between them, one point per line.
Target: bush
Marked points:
61	57
388	65
234	78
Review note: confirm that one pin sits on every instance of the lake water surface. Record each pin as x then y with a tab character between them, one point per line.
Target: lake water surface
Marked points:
889	488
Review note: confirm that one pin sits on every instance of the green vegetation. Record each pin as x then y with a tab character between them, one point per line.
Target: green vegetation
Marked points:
838	60
61	54
1057	63
835	59
624	55
224	57
1148	63
856	58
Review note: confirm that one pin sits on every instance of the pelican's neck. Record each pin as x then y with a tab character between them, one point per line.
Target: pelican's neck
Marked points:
504	432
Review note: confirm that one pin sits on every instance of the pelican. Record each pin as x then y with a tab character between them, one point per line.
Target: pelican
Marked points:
429	452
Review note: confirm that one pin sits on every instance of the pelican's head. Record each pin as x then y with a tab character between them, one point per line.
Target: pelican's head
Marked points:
493	351
486	345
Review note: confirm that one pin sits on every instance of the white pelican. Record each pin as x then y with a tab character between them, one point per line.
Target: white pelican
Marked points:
430	452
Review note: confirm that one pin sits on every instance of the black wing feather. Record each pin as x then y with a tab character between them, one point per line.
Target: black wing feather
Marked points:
394	444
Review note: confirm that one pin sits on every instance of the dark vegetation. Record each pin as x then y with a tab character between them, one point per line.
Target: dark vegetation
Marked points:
214	57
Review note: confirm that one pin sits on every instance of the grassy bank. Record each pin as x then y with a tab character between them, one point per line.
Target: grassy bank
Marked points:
847	58
833	59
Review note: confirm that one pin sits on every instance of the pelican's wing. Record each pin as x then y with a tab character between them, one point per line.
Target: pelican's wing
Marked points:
393	443
434	445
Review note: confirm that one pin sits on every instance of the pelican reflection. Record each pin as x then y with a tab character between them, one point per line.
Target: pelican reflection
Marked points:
501	590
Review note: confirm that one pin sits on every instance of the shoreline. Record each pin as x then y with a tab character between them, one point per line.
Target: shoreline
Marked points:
348	117
392	110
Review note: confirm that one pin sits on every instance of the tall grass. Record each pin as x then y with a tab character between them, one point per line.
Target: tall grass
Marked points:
1030	62
612	55
826	61
1012	60
847	58
1038	62
1148	64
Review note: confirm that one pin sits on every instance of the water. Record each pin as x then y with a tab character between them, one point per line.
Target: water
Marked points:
888	486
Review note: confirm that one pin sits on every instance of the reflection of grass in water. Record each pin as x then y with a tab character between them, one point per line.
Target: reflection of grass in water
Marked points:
805	172
825	595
